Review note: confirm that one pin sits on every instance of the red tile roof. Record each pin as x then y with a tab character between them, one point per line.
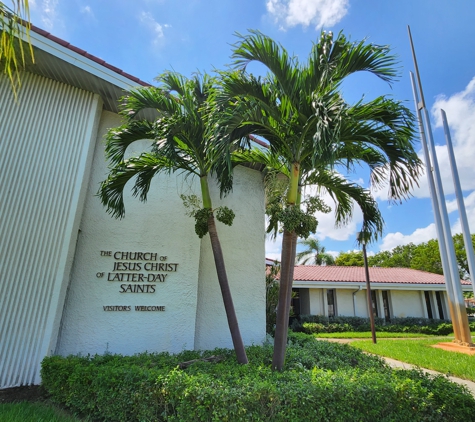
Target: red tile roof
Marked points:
304	273
87	55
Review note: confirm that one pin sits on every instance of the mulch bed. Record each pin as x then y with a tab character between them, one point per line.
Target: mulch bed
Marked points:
24	393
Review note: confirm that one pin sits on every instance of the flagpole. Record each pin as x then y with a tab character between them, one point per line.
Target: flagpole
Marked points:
438	223
467	238
447	252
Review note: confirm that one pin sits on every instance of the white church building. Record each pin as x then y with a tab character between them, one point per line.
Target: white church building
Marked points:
73	280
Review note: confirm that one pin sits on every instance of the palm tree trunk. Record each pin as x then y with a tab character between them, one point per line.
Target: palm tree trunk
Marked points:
289	247
222	276
289	251
226	292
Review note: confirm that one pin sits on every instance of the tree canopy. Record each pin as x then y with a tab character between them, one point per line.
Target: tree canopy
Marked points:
424	256
314	253
298	108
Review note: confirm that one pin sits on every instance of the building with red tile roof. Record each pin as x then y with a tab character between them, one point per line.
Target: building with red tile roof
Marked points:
396	292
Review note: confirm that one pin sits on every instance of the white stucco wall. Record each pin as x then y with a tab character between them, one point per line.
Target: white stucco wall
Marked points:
344	302
361	304
244	254
194	314
403	303
407	303
157	226
316	302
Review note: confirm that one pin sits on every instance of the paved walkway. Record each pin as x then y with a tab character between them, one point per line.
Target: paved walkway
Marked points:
403	365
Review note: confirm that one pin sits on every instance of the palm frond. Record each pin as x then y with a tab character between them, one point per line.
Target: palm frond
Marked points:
261	48
344	195
147	98
361	56
144	168
12	51
118	139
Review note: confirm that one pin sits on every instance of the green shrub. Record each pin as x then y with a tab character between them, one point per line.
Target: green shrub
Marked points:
470	311
322	381
315	324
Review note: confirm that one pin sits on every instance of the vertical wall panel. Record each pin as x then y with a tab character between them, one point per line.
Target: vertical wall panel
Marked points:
44	143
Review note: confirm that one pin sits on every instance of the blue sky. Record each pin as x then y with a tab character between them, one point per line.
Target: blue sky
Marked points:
146	37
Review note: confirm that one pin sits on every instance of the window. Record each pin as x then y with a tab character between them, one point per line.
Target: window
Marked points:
387	314
428	305
438	297
295	303
374	303
331	302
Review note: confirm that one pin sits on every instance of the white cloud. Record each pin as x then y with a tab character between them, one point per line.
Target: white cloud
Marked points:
274	247
421	235
87	11
392	240
326	222
470	211
460	110
153	26
45	13
318	13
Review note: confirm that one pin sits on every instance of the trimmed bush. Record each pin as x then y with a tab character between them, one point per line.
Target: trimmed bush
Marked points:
322	381
315	324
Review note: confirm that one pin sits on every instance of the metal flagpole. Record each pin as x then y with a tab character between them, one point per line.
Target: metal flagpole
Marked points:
467	238
438	222
458	312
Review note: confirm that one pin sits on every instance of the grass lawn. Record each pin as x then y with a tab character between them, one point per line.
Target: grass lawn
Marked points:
367	334
41	412
419	352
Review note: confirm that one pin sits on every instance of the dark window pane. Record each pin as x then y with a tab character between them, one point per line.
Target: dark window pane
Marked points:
331	302
438	296
387	315
429	307
374	303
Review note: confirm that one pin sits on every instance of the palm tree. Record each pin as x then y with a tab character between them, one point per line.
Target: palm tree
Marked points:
314	253
182	141
298	109
12	53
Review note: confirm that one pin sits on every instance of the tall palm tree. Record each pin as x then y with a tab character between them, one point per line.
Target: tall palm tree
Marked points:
12	53
299	110
182	141
314	253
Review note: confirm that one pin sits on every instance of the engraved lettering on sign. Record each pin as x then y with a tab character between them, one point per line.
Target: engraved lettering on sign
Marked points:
150	308
137	272
116	308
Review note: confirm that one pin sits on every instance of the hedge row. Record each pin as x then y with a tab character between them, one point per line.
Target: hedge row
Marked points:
314	324
322	381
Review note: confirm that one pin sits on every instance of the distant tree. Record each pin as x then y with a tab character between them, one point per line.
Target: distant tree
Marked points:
400	256
424	256
314	254
461	254
350	259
